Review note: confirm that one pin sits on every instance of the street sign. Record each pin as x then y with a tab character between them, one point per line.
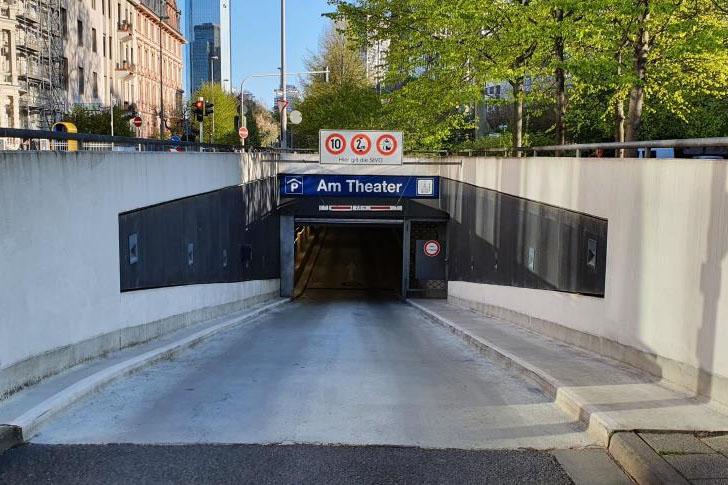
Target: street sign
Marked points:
282	105
296	117
350	147
432	248
175	139
137	121
329	185
243	132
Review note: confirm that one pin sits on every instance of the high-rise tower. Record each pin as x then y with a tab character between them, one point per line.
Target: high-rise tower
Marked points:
198	13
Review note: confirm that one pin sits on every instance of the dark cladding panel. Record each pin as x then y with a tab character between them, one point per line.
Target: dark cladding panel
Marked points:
200	239
501	239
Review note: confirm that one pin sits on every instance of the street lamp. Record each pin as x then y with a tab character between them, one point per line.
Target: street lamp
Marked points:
243	118
212	82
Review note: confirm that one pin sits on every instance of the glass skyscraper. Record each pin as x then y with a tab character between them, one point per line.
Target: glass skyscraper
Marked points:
207	24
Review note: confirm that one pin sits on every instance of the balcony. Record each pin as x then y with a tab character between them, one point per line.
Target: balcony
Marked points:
126	67
125	30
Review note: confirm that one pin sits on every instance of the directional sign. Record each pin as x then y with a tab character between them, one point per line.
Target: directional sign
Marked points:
137	121
243	132
328	185
350	147
175	139
282	105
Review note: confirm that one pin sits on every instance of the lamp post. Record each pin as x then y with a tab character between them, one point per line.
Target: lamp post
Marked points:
243	118
212	82
161	79
284	117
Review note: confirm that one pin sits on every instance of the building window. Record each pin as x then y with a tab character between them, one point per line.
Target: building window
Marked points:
81	86
96	85
103	7
93	4
111	51
93	40
103	42
79	27
109	9
64	23
64	73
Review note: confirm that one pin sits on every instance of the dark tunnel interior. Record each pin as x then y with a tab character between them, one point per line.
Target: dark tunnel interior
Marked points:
348	261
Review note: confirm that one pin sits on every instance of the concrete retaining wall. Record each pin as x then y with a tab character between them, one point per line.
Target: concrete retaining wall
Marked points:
665	307
59	254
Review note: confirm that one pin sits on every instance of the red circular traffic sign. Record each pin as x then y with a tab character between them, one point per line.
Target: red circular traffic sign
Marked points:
137	120
386	145
432	248
335	144
361	144
243	132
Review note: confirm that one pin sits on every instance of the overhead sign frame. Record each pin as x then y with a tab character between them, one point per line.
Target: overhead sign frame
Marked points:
360	147
337	185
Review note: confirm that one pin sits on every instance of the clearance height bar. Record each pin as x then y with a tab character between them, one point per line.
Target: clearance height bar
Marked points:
397	186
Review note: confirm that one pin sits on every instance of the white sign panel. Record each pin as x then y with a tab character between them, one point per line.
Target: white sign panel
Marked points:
351	147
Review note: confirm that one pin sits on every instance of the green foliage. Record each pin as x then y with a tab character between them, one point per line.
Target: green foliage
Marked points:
98	122
226	107
263	129
664	62
347	101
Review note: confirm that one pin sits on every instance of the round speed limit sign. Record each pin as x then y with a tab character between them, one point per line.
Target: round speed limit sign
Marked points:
432	248
335	144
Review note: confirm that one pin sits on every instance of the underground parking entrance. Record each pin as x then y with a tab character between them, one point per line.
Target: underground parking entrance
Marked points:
377	248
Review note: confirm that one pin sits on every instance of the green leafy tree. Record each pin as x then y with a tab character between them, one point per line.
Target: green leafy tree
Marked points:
226	108
98	122
263	130
347	101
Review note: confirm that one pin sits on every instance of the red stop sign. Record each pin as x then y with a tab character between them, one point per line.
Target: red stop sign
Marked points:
243	132
137	121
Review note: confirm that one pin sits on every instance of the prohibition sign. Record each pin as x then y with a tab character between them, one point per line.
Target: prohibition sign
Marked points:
361	144
335	144
386	145
432	248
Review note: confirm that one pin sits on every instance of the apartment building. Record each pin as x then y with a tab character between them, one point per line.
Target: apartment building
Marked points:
57	54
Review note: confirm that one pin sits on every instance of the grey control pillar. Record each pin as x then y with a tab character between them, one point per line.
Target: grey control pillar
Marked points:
406	228
287	256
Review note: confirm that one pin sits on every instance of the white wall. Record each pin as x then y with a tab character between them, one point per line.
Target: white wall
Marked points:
59	243
667	275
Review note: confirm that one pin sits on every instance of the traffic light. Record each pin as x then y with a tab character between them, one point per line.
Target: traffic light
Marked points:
200	109
209	108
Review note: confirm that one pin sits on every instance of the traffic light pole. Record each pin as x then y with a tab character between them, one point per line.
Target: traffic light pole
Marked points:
283	112
202	140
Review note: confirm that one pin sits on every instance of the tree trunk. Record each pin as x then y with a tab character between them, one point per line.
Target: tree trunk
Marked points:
517	86
637	93
619	124
560	87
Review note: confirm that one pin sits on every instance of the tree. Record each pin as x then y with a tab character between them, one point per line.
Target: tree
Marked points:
263	130
226	108
347	101
98	122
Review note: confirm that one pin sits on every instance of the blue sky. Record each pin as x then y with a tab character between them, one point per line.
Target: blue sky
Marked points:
255	39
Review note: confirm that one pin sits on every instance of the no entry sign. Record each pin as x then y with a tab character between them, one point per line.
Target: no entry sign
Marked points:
137	120
243	132
350	147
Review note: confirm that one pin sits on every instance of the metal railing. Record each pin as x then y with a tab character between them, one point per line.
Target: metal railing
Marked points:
22	139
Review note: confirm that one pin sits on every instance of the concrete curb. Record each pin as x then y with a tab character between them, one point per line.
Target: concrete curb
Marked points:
9	436
641	462
600	426
29	422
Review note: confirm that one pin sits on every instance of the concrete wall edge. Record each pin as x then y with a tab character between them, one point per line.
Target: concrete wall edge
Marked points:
38	367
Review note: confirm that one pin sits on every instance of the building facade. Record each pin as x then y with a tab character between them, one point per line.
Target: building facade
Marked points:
205	55
58	54
198	13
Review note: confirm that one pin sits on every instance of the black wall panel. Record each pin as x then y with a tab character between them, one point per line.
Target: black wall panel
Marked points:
501	239
224	236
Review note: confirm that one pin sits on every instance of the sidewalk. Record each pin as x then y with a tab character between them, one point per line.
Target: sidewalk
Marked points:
608	396
22	413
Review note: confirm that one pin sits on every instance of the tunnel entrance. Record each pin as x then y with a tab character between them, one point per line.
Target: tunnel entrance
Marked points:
334	259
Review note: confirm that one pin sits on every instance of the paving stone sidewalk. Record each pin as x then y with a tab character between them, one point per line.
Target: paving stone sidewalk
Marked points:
702	460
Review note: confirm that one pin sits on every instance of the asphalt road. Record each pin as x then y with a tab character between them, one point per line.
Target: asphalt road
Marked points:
334	371
242	464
